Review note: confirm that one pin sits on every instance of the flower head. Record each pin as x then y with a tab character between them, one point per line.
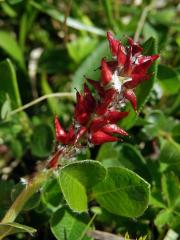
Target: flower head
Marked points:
96	116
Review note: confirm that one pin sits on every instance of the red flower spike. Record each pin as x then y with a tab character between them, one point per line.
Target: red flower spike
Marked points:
100	137
142	59
115	116
80	113
136	48
97	86
59	131
125	71
89	101
103	106
97	124
112	65
142	68
128	66
106	74
130	95
113	44
121	55
114	129
137	79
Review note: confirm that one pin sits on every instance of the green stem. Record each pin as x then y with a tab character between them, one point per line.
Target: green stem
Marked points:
40	99
32	187
87	227
142	20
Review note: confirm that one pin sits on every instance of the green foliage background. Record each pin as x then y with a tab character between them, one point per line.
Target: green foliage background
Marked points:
46	47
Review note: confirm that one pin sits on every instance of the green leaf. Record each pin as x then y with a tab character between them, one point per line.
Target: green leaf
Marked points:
169	79
51	194
156	200
143	90
81	47
7	229
8	10
157	123
149	31
126	155
6	108
42	141
130	120
13	2
76	178
176	133
122	192
165	16
70	22
9	83
164	217
68	225
170	154
88	67
11	47
170	188
5	199
54	60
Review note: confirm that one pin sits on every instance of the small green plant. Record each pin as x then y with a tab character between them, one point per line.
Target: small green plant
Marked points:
89	133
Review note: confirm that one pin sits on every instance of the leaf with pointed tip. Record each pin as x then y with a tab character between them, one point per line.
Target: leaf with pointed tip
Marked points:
7	229
8	82
9	44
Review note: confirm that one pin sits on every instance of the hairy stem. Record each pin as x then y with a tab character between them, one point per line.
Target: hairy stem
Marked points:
32	187
40	99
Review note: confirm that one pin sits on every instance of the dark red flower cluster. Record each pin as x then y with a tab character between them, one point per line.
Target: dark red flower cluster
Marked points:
96	117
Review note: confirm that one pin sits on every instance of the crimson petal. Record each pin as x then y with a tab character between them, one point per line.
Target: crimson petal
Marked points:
115	116
101	137
136	48
113	128
106	74
121	56
130	95
97	86
142	59
97	123
137	79
113	44
59	131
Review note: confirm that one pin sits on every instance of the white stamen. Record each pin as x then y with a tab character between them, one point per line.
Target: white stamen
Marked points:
118	81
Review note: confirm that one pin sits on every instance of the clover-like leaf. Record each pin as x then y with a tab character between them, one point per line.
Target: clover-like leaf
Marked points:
76	178
122	192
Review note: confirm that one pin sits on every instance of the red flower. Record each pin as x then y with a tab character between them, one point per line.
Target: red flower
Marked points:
113	44
59	131
96	118
101	137
106	74
130	95
85	106
132	66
